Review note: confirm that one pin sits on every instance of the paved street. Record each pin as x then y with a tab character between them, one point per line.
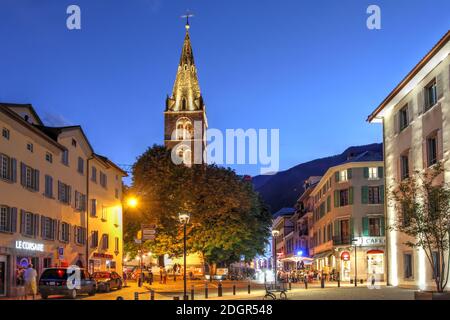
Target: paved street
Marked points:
298	292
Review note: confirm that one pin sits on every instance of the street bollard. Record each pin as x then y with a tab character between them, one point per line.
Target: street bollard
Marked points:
249	288
234	289
176	298
361	281
339	283
322	282
206	290
219	289
192	292
119	298
290	285
152	294
306	283
136	296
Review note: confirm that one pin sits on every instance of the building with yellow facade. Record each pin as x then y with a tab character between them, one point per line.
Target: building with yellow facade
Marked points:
60	202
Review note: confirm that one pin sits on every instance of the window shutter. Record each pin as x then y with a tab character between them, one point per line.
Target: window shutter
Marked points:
382	227
350	195
58	235
75	234
13	170
43	220
23	174
421	101
396	122
55	227
366	172
365	225
13	220
352	231
8	220
364	194
337	228
380	172
349	174
22	221
336	198
69	194
36	224
36	180
69	232
328	205
336	176
440	85
382	194
59	190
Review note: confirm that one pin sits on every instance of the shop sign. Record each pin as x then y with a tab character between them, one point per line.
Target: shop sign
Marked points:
31	246
370	241
103	255
60	253
345	256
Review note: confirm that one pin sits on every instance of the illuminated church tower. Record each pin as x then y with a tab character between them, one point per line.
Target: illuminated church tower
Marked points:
185	115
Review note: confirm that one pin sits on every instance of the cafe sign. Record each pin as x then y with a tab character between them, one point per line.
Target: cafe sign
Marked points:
370	241
30	246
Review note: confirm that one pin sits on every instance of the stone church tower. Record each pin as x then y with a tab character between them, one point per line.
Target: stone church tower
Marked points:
185	120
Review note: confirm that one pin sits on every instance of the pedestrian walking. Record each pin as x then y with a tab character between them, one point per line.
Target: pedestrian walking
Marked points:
150	277
125	278
29	277
164	276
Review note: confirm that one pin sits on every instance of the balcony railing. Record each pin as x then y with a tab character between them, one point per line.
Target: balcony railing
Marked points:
341	240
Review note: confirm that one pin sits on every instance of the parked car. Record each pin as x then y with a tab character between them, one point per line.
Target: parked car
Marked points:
54	281
107	280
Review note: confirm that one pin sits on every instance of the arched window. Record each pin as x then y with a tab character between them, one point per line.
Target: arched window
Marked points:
185	130
183	104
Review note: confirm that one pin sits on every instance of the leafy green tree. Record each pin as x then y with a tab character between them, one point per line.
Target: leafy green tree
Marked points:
423	204
228	219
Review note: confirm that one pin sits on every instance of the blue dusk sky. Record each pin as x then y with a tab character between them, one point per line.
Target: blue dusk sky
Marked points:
309	68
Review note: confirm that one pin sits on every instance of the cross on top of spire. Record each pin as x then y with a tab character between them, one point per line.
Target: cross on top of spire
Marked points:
187	16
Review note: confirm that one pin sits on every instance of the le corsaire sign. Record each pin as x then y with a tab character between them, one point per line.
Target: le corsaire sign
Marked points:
31	246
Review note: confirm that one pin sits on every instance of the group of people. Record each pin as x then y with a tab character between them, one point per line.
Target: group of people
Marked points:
28	278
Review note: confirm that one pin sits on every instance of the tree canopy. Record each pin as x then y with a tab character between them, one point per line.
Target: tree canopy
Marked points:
228	219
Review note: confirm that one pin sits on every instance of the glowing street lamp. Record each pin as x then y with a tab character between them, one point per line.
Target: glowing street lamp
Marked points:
184	220
132	202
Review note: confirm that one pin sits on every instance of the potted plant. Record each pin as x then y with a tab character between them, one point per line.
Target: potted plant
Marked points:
423	203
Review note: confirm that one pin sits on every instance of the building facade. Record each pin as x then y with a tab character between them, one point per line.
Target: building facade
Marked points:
348	230
60	202
283	244
416	131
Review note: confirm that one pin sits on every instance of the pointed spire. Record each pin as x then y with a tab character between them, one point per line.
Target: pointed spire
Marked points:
187	56
186	90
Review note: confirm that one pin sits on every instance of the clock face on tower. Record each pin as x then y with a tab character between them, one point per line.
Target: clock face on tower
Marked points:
185	120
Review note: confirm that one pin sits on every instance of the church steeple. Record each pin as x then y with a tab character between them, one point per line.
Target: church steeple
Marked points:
186	95
185	114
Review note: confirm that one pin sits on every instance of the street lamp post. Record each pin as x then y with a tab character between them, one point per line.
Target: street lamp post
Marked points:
184	219
356	262
275	234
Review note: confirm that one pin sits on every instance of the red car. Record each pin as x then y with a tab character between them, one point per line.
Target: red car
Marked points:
107	280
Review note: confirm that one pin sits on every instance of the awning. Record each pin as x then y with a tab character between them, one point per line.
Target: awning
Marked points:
323	254
375	251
